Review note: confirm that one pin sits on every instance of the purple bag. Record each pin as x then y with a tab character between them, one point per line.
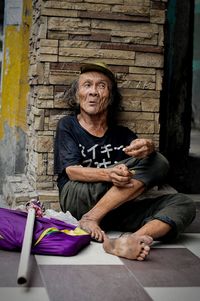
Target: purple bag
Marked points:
50	236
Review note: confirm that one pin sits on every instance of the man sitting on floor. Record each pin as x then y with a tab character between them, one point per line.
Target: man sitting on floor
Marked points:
105	172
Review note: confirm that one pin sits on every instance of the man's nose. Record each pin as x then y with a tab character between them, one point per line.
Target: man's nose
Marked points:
93	90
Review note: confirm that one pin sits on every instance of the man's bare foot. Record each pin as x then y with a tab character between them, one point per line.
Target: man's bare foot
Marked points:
92	227
129	246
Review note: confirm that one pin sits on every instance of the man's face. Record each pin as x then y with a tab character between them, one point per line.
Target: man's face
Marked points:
93	92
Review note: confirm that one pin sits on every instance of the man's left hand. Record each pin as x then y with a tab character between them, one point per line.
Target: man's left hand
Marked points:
140	148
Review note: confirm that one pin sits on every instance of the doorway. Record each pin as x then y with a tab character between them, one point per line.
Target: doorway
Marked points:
176	98
195	130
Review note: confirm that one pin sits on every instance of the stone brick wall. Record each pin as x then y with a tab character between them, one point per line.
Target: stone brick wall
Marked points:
125	34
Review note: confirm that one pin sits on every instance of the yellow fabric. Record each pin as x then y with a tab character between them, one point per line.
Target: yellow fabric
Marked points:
76	232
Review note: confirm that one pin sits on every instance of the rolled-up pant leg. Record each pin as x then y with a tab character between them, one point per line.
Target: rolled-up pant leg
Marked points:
151	170
177	210
80	197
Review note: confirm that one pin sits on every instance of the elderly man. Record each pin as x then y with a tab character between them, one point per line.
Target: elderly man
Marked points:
105	172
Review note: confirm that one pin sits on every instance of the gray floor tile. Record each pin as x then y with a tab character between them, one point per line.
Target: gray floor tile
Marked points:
9	262
167	268
85	283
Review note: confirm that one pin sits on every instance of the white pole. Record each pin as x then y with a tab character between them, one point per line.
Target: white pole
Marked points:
22	276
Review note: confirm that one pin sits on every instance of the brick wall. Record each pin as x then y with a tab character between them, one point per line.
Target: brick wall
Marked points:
125	34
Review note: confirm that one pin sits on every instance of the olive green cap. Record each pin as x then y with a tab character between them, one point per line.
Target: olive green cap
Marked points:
100	67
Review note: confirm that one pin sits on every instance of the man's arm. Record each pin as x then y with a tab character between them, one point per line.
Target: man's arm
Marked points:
119	175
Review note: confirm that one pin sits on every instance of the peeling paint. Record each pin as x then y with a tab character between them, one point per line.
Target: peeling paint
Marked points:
15	89
7	60
15	86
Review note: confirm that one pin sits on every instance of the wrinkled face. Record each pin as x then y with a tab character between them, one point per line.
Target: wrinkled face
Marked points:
93	92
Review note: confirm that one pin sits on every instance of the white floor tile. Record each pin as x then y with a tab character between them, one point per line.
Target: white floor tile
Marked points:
174	294
161	245
195	197
23	294
91	255
114	234
191	241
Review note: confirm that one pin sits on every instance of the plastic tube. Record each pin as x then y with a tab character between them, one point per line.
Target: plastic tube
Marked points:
22	276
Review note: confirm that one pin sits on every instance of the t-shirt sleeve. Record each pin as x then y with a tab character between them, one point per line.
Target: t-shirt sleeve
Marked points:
66	150
128	135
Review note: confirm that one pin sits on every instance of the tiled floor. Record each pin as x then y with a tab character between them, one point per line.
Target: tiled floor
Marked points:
171	273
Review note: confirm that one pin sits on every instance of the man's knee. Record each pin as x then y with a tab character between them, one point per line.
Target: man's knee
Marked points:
152	170
178	208
163	162
79	198
188	207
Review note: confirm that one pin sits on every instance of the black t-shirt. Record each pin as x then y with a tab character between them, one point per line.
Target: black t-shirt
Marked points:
75	146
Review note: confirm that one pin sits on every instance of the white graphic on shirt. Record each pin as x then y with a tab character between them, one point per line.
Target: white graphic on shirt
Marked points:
104	164
93	150
118	147
87	162
106	150
82	150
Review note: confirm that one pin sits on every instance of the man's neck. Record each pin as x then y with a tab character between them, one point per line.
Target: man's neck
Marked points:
95	125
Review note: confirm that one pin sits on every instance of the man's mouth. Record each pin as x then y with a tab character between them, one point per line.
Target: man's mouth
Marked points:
93	102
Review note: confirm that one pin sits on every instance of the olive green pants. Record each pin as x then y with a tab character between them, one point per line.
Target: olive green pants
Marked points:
176	209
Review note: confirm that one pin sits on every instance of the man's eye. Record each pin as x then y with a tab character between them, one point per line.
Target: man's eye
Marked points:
102	86
87	85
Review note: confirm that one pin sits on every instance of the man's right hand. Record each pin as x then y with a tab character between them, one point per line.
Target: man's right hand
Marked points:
121	176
